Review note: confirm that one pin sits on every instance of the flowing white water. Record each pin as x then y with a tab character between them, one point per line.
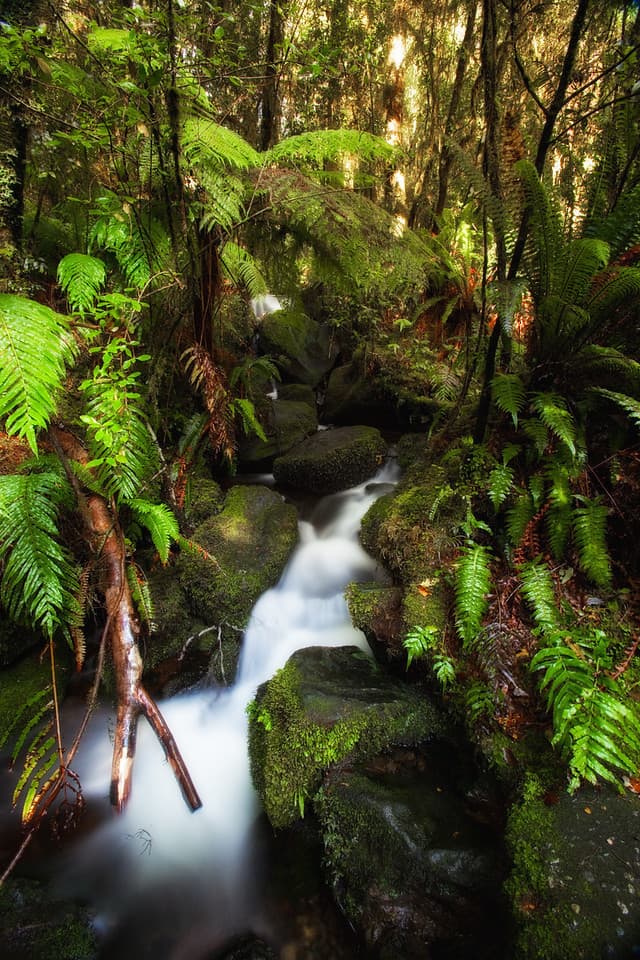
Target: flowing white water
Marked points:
157	847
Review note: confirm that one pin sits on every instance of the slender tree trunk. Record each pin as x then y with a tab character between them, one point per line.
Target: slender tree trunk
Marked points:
270	99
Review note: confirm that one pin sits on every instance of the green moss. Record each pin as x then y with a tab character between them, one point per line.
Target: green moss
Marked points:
32	925
293	741
20	682
332	460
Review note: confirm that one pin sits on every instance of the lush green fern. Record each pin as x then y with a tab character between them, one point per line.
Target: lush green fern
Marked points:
243	269
552	410
509	394
141	595
628	404
140	244
319	146
419	641
536	586
472	585
596	727
589	534
31	735
559	514
35	346
159	521
81	278
518	516
39	578
206	143
224	199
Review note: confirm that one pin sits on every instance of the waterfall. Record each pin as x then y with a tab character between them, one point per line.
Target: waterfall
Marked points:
197	874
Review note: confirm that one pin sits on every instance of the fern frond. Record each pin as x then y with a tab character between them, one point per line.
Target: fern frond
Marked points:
472	585
620	229
558	518
500	484
605	366
159	521
509	394
141	595
208	377
243	270
581	260
546	227
247	413
224	200
39	580
536	587
319	146
140	244
507	298
518	517
208	144
552	410
538	434
35	346
81	278
620	287
628	404
589	534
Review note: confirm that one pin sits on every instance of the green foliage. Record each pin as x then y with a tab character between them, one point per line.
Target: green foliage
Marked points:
628	404
418	641
552	410
320	146
509	394
32	727
141	595
159	521
536	586
479	701
595	724
120	447
138	241
589	534
81	278
39	578
472	585
243	269
246	411
206	143
35	346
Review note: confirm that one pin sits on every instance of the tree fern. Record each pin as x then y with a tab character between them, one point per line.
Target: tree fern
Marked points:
509	394
159	521
140	243
536	587
35	345
81	278
472	584
39	579
597	730
589	534
224	199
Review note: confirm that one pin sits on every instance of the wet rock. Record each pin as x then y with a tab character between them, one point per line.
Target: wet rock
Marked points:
285	423
576	874
34	924
353	398
324	707
206	597
204	498
332	460
302	348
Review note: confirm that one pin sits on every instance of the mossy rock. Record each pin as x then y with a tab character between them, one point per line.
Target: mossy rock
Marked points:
351	398
302	348
34	924
576	874
240	553
377	611
23	680
285	423
332	460
15	640
324	706
204	498
415	867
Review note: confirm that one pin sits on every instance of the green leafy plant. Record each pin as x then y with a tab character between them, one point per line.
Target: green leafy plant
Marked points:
472	585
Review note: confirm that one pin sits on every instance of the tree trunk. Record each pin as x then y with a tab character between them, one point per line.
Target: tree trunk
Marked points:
270	101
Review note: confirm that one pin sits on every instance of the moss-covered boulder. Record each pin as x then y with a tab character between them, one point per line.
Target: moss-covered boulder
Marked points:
204	497
21	681
285	423
34	924
412	850
301	348
323	706
238	554
332	460
576	874
376	609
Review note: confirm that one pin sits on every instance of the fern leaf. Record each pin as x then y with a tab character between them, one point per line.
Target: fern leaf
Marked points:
224	200
500	483
81	278
518	517
509	394
211	145
35	345
243	270
538	434
141	595
546	228
536	587
582	259
589	534
553	412
472	584
318	147
247	412
628	404
39	580
620	287
558	518
159	521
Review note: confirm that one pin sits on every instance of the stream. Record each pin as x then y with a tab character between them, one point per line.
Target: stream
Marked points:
166	882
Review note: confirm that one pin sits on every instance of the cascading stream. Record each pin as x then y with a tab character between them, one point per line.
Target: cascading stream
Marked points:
193	878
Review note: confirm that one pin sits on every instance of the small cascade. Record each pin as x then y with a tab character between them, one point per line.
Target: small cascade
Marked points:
193	878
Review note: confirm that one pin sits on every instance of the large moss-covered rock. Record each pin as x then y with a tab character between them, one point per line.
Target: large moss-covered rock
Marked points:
241	552
285	423
34	924
576	874
413	854
21	681
204	497
324	705
332	460
302	348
